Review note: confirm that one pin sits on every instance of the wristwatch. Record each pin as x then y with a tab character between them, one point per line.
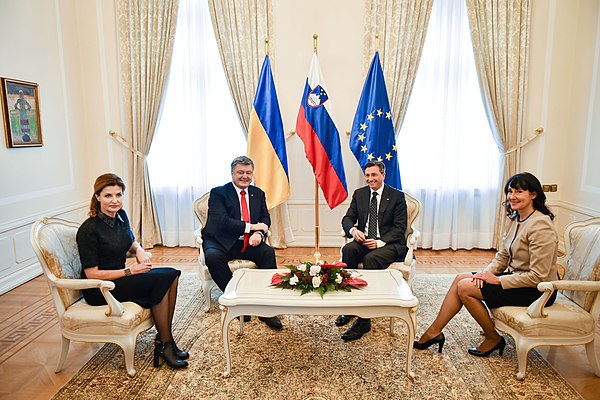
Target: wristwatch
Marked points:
127	271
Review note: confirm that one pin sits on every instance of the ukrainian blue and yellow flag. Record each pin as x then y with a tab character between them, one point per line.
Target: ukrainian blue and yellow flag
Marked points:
266	141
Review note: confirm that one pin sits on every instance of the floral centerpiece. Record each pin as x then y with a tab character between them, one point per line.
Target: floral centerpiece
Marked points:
319	276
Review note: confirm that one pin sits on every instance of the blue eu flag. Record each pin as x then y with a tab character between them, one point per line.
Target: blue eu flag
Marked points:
372	137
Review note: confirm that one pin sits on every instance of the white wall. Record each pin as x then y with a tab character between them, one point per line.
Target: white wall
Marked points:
340	26
564	99
69	48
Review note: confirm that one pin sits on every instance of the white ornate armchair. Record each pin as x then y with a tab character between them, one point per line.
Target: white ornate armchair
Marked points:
409	265
53	241
572	318
201	211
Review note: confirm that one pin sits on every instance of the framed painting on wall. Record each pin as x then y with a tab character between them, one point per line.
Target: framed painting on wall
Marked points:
21	110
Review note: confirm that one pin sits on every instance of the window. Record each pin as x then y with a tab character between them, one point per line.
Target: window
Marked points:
198	131
448	157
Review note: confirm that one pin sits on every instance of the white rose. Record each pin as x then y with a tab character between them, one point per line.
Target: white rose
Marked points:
316	281
302	267
338	278
315	269
293	280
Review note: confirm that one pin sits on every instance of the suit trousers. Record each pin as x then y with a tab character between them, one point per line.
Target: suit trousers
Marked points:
217	259
354	253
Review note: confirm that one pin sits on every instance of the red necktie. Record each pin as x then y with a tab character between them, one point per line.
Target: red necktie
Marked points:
246	218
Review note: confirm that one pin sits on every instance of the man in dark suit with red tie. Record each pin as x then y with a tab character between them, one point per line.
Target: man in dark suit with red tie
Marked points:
236	227
376	221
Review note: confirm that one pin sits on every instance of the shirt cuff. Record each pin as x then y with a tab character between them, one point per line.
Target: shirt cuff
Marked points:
380	243
247	228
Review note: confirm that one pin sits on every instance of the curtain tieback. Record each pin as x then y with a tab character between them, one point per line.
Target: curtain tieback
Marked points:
516	147
123	141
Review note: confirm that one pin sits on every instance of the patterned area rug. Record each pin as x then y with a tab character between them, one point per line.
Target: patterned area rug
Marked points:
309	361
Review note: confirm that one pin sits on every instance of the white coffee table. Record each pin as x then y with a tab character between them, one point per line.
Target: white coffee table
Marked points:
387	295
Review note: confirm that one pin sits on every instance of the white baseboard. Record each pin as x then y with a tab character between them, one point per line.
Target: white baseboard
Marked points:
20	277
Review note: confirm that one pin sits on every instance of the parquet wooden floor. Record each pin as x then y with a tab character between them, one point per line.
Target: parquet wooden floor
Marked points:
30	336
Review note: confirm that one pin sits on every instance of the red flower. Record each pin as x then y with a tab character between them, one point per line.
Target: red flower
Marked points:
277	279
356	282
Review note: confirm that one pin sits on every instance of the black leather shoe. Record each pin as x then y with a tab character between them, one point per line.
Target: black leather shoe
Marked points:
181	354
474	351
357	330
273	322
247	318
441	339
343	320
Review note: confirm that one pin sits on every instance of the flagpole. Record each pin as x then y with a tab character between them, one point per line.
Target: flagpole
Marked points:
317	253
267	46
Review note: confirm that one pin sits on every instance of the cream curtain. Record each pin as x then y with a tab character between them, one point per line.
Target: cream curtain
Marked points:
500	33
241	28
147	32
401	26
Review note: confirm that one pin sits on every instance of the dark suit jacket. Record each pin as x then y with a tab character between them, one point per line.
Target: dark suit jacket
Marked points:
391	217
224	223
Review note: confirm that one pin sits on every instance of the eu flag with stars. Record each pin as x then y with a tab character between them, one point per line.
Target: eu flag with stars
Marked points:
372	137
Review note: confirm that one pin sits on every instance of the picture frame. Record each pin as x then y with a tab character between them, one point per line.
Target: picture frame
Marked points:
21	111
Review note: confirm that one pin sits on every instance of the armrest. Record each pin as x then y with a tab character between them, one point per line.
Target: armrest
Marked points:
411	243
536	309
115	308
198	237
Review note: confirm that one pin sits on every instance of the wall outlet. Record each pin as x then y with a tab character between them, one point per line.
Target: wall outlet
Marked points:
554	188
546	188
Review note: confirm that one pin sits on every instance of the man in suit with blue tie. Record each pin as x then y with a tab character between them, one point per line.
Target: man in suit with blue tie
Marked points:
376	221
236	227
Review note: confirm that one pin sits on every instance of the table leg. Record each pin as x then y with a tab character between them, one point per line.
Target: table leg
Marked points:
411	323
225	320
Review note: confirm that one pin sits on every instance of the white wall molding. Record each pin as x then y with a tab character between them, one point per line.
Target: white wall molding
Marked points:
19	277
18	263
12	225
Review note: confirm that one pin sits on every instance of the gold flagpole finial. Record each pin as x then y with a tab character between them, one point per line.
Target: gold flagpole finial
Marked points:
377	42
267	46
315	39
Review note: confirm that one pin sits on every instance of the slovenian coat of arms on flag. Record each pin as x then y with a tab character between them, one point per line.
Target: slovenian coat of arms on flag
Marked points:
266	141
321	139
372	137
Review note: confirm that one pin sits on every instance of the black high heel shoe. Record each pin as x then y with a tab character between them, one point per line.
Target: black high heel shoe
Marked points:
474	351
168	354
441	339
181	354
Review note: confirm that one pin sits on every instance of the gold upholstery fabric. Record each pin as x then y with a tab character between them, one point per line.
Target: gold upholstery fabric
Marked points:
584	263
564	319
83	319
59	248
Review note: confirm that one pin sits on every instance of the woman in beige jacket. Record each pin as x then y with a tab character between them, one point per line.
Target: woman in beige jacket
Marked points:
527	257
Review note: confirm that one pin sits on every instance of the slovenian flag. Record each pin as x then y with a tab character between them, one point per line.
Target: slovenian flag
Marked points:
372	137
266	141
321	139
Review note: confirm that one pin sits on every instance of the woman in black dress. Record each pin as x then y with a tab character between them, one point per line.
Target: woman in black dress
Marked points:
103	241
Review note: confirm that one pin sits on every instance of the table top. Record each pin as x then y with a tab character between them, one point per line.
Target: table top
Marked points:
253	287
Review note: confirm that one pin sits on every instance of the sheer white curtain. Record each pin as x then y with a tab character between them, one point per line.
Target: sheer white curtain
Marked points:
448	158
198	133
